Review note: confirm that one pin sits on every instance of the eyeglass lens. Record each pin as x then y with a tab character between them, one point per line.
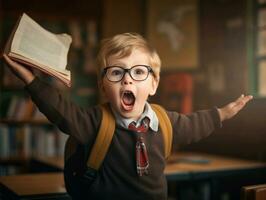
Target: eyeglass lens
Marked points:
138	73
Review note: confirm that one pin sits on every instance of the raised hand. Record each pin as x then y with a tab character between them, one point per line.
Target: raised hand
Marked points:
231	109
19	70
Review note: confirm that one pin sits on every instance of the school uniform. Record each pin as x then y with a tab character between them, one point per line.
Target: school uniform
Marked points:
117	177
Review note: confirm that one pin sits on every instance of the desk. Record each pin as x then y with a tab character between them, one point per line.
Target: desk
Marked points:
217	175
217	171
214	166
33	186
180	167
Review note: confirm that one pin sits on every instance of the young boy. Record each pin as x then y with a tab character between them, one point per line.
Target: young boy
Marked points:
129	72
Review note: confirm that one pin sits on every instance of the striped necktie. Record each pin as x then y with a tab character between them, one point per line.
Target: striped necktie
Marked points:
142	160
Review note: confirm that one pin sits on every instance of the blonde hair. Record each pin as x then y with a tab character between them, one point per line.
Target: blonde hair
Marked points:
121	46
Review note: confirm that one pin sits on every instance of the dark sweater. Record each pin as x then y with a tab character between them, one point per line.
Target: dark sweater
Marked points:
117	177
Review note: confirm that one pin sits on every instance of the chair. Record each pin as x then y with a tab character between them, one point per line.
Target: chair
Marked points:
254	192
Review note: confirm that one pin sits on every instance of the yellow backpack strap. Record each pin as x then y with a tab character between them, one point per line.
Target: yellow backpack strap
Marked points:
166	128
103	139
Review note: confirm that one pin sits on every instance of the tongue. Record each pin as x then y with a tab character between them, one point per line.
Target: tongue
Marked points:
128	99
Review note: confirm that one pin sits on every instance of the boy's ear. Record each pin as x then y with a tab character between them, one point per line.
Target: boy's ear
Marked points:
154	86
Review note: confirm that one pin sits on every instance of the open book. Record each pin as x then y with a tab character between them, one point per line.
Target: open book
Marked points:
31	44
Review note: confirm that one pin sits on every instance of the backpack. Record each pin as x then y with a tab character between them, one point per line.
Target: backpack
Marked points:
78	182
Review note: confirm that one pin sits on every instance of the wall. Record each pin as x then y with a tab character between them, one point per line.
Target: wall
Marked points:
223	42
121	16
79	8
222	45
242	136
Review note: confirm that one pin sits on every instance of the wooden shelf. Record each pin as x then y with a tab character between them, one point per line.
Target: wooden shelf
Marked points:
14	160
22	122
53	161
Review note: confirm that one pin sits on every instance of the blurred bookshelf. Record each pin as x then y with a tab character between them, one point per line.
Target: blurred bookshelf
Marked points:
24	132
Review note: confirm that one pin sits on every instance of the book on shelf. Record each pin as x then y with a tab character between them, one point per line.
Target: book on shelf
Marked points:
27	141
23	110
31	44
20	109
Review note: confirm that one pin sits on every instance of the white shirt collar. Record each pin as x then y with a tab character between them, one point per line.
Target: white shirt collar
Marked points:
148	112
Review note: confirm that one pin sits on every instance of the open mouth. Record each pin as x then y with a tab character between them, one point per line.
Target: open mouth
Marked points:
128	100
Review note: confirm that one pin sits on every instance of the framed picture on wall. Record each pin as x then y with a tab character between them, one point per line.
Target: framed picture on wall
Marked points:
172	29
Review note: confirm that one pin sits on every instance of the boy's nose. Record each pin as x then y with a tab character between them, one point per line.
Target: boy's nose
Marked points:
127	79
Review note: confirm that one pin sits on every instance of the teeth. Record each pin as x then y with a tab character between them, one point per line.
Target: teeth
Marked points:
128	93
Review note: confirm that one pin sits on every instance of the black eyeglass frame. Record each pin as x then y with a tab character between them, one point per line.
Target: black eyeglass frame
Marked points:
127	70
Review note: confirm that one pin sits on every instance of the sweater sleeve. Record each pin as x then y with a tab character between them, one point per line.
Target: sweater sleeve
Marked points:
68	117
193	127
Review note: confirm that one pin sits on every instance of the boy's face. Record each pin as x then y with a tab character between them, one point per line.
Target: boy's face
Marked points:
128	96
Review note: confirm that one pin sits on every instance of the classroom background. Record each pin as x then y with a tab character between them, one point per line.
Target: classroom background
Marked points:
212	51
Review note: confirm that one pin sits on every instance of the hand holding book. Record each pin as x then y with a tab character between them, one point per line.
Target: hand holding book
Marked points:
32	45
22	72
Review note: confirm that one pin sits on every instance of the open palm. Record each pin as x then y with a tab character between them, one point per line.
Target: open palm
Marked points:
231	109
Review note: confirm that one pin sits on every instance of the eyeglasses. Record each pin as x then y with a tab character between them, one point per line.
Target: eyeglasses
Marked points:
117	73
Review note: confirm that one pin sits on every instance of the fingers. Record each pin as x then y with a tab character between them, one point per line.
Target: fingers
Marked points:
241	102
9	61
19	70
244	99
15	66
234	107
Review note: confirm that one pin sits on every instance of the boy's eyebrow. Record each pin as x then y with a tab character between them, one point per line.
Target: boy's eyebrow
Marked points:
118	64
124	65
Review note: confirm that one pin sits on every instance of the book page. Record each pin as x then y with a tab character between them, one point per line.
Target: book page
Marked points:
43	47
64	76
35	64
